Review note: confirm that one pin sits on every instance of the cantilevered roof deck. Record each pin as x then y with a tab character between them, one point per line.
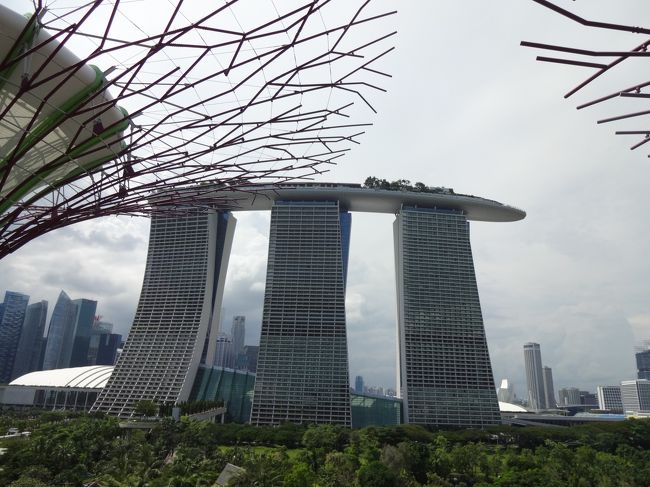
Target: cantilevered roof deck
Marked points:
354	197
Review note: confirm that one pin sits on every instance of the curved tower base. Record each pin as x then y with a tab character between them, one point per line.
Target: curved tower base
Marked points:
177	318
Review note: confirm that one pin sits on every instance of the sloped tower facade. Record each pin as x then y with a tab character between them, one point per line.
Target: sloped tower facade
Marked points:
177	318
445	374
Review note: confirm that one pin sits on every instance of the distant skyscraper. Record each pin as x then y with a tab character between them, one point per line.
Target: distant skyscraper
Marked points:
506	393
251	351
549	391
60	334
358	384
238	332
609	398
569	396
11	323
83	329
107	349
643	364
534	376
28	354
302	373
225	352
588	398
635	395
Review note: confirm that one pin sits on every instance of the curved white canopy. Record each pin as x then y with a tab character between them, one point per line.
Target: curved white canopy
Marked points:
90	377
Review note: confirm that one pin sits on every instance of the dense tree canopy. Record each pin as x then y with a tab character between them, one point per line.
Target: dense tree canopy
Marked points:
68	450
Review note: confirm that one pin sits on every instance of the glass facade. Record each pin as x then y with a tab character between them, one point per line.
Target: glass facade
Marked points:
233	387
534	376
302	369
28	354
61	328
375	411
643	364
78	353
445	370
11	323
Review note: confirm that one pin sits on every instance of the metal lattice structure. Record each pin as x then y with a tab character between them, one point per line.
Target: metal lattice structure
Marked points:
105	103
612	58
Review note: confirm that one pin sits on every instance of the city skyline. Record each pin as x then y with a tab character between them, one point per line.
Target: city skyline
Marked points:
573	276
103	341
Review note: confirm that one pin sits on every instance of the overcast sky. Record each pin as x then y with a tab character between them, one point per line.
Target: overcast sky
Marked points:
467	108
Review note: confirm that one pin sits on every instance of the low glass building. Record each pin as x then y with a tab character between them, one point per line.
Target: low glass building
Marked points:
375	410
233	387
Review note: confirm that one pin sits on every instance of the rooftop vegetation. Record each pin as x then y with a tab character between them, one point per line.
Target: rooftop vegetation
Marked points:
404	185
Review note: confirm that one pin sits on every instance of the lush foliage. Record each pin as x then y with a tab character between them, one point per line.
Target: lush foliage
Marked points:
72	449
403	184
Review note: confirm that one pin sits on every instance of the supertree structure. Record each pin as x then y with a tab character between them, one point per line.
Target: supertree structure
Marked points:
604	63
106	103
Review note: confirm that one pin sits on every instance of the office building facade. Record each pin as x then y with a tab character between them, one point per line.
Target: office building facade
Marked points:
238	333
445	370
609	398
11	324
635	396
28	354
643	364
569	396
358	384
534	376
224	355
549	391
178	313
251	352
302	369
83	330
60	333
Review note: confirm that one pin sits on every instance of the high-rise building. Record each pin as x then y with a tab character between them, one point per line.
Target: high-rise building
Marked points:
534	376
107	346
103	344
302	370
11	323
224	355
643	364
28	354
83	330
238	333
445	370
569	396
506	393
252	352
303	363
588	399
180	301
358	384
549	391
609	398
635	395
60	334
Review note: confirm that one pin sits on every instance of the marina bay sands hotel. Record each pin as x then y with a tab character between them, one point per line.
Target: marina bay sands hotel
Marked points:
445	375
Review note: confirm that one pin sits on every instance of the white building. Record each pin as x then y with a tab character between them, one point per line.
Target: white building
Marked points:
635	395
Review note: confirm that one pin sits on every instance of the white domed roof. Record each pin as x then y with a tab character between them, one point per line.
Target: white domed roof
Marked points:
508	407
91	377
